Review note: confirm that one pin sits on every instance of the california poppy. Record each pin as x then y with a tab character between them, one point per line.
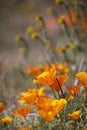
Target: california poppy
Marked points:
73	90
75	115
82	77
31	95
35	71
47	77
22	111
1	107
59	82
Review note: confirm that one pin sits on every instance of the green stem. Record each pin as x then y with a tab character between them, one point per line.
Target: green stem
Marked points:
53	92
60	87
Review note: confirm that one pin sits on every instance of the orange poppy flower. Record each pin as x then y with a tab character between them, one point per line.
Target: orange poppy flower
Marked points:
22	111
82	77
24	128
59	81
73	90
34	71
73	16
84	129
31	95
49	108
84	25
47	77
75	115
6	119
1	107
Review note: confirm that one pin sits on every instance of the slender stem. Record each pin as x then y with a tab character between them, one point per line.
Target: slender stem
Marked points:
60	87
54	93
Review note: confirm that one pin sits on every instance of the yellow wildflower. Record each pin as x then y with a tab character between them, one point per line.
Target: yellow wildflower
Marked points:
69	46
57	2
38	18
60	20
60	50
34	36
19	38
30	30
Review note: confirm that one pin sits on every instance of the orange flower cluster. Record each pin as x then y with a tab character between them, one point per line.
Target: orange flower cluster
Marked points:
61	68
50	78
49	108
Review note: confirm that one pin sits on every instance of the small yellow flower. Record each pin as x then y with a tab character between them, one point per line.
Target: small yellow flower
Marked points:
34	36
38	18
6	119
19	38
57	2
75	115
60	50
60	20
69	46
30	30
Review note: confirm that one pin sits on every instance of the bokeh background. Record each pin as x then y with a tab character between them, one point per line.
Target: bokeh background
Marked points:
15	17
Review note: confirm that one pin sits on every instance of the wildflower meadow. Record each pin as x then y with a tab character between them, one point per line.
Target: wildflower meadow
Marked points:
53	95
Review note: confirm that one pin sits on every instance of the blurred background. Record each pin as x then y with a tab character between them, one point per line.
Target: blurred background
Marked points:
15	17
